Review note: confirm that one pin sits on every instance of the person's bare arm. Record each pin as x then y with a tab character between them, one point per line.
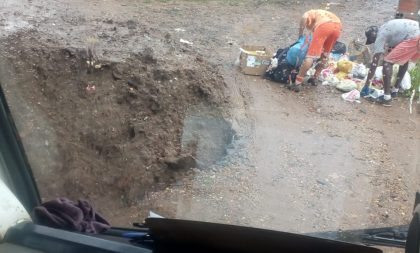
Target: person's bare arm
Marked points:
373	67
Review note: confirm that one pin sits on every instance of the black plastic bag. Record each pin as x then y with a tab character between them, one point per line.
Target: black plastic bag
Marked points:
284	72
339	48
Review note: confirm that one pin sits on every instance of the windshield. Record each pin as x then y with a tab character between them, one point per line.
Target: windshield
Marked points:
157	105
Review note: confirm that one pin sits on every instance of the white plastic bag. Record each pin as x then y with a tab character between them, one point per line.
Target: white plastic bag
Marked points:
325	73
378	73
274	62
331	80
406	82
346	85
359	71
311	71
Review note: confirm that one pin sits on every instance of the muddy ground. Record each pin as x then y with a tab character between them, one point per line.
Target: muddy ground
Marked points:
297	162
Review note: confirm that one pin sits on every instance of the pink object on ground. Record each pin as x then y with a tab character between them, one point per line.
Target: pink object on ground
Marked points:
352	96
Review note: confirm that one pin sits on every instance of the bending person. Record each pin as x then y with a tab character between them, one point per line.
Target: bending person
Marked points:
398	41
326	29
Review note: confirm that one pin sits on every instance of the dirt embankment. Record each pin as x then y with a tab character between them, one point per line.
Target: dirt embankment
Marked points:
113	132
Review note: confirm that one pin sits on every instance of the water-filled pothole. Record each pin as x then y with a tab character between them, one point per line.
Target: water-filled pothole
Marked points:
207	134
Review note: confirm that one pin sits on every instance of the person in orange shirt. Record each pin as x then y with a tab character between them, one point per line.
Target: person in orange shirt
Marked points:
326	29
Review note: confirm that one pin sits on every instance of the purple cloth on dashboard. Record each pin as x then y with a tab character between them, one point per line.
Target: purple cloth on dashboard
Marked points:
66	214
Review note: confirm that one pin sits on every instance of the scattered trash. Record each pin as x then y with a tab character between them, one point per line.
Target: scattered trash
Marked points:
346	85
406	82
344	57
342	75
179	30
359	52
90	88
280	70
327	77
378	73
359	71
344	67
325	73
352	96
338	51
154	215
91	52
186	42
375	93
254	60
311	71
335	57
331	80
378	78
274	63
339	48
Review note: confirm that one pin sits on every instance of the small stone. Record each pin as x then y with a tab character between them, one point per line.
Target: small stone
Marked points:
184	162
116	75
321	181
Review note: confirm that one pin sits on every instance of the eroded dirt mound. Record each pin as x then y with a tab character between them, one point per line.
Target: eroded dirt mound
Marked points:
116	130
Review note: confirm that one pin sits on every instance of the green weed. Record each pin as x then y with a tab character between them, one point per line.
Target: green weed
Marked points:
415	78
415	83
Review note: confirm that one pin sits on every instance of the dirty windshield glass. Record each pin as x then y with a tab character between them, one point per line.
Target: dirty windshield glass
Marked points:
254	113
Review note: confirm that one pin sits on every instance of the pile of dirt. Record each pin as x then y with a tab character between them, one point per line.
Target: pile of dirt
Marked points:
113	133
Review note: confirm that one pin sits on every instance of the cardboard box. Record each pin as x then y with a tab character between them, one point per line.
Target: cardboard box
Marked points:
254	60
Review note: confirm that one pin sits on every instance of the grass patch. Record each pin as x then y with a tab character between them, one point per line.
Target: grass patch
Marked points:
415	78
